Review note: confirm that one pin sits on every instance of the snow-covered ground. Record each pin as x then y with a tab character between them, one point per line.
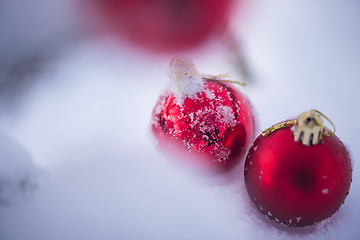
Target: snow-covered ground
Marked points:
83	116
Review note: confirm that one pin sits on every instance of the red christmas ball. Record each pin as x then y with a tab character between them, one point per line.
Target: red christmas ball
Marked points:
295	184
211	128
165	25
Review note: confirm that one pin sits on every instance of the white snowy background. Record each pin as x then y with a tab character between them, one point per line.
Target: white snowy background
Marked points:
75	113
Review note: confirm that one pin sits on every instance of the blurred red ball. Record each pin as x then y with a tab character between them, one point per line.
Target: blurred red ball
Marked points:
212	130
165	25
294	184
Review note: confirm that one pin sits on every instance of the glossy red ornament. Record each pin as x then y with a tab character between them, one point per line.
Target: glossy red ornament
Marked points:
294	184
165	25
212	128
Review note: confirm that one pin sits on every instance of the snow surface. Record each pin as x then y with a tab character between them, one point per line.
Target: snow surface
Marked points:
18	175
85	116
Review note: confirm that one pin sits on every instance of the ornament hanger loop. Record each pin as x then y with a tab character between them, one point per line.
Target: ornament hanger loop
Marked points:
221	78
328	132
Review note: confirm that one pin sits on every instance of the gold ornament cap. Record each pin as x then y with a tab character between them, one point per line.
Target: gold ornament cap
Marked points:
187	81
308	128
186	77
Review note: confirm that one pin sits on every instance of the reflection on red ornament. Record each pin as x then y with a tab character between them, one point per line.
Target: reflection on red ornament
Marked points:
295	184
212	128
165	25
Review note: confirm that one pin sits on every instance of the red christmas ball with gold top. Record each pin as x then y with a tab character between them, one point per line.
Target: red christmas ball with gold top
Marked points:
298	172
164	25
202	120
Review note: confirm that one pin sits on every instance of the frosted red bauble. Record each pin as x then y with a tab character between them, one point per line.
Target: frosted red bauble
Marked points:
294	184
164	25
212	129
